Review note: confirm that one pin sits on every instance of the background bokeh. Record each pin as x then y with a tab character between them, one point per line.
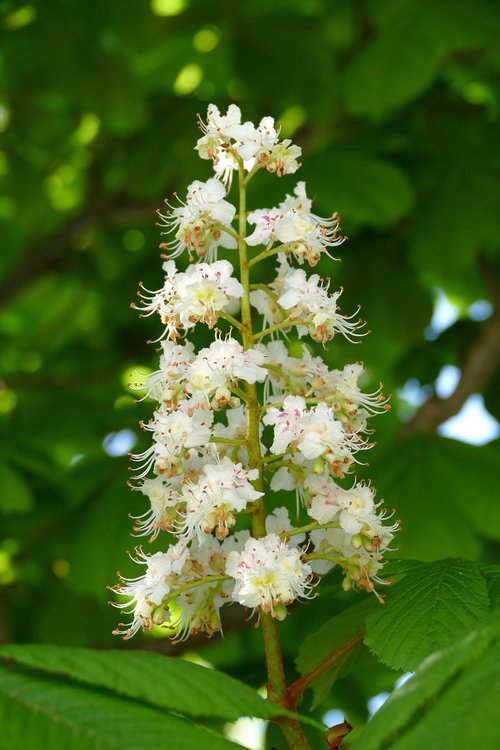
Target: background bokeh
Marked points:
395	104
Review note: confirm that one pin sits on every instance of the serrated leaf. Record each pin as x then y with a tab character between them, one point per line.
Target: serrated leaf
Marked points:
42	712
344	631
430	607
451	701
164	682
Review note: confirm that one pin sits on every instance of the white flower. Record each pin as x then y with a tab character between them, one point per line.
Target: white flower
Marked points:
203	291
199	294
343	384
201	605
313	310
202	223
219	130
320	432
222	490
354	508
267	223
164	383
164	497
146	593
312	434
359	566
303	233
218	367
173	433
268	573
285	421
264	145
161	514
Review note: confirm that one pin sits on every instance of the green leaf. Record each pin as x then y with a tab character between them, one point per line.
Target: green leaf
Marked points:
375	85
474	491
366	190
15	494
40	712
451	702
341	630
428	609
164	682
449	247
491	574
405	58
429	480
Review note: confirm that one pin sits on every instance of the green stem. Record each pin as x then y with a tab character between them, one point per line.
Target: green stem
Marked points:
277	685
227	230
193	585
253	171
278	327
268	459
227	441
310	527
297	689
267	254
266	289
227	316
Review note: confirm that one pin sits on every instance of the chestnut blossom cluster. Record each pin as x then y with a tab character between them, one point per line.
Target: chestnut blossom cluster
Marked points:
303	234
305	302
197	295
254	412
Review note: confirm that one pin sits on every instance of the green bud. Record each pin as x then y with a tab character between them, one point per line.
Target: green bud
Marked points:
357	541
319	466
347	584
280	612
158	615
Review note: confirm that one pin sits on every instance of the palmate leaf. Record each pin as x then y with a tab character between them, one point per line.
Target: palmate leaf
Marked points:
168	683
42	712
451	702
433	605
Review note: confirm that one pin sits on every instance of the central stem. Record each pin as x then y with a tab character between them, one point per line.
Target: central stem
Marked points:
277	685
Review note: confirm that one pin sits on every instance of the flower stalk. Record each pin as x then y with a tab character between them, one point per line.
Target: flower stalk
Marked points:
277	683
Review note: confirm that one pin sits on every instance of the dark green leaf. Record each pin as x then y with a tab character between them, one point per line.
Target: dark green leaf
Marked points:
164	682
15	494
428	609
451	702
46	713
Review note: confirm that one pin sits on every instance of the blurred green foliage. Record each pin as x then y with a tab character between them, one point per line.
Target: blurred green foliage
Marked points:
396	106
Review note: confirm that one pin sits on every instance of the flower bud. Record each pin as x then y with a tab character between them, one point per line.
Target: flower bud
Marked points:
158	615
319	466
357	541
280	612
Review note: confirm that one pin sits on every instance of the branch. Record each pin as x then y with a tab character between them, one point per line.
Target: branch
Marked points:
296	690
480	363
